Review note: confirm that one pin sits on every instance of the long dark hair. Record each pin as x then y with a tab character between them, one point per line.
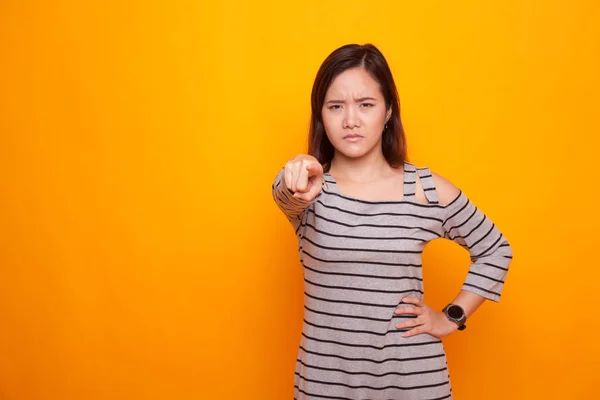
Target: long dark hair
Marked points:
351	56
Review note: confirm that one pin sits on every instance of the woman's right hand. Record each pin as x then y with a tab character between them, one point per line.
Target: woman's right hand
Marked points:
303	175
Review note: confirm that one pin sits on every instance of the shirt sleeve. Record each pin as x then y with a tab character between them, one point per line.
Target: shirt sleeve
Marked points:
490	252
293	208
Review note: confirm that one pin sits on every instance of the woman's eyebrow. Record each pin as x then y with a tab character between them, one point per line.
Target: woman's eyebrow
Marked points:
364	98
356	100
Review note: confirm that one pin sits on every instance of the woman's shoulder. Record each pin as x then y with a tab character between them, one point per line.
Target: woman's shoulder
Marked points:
445	189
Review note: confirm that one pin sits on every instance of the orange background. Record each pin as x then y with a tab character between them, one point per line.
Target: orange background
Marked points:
142	255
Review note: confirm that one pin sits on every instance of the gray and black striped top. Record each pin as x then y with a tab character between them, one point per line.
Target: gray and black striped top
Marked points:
359	259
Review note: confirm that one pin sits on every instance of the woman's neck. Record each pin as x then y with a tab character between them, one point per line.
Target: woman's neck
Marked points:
361	170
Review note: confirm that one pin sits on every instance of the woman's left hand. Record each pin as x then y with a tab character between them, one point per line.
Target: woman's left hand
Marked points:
428	320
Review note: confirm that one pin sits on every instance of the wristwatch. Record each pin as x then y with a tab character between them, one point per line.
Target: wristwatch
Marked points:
456	314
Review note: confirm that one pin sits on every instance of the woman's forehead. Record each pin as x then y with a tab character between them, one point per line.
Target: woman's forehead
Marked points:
352	92
355	82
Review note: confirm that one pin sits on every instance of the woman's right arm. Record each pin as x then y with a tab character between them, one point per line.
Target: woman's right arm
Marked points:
297	185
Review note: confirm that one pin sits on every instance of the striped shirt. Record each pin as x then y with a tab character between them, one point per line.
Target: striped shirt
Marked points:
359	259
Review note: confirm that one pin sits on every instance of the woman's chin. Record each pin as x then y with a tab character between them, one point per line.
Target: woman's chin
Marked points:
353	151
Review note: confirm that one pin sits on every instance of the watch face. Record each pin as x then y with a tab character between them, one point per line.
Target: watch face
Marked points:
455	312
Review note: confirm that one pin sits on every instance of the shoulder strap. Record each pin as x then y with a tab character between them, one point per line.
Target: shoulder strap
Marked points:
428	184
410	181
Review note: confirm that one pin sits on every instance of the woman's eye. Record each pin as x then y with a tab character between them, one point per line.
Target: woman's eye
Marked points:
334	107
368	104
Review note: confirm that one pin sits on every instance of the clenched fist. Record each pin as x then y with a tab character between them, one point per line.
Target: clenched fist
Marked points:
303	176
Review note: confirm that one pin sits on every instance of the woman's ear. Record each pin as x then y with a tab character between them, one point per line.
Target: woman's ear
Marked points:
388	115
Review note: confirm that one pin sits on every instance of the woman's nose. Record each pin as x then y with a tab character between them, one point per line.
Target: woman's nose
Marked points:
351	118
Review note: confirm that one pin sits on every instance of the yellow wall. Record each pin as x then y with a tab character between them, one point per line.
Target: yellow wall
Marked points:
141	253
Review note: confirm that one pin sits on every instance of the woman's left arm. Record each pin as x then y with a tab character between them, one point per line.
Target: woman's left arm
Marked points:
490	254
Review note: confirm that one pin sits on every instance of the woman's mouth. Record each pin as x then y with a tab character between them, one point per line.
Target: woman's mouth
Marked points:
353	138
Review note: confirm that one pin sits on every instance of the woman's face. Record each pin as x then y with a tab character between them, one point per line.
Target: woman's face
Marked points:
354	113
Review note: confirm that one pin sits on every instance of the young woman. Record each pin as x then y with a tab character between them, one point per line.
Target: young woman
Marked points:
363	214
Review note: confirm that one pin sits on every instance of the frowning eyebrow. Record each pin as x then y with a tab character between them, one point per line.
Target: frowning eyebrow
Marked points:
356	100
